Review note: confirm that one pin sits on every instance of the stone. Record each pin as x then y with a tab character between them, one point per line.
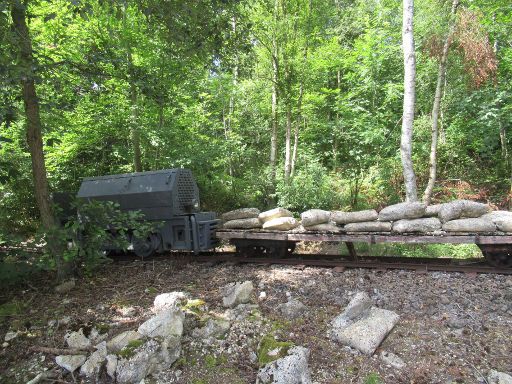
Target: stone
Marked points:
368	226
237	293
417	225
169	300
111	365
64	321
127	311
274	214
340	217
495	377
281	224
122	340
241	312
96	336
91	368
326	227
10	336
5	344
77	340
214	328
291	369
392	360
402	211
242	224
356	308
241	213
433	210
70	362
66	286
292	309
462	209
164	324
469	225
314	217
367	334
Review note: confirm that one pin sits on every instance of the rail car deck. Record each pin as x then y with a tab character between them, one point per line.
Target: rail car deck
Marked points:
497	248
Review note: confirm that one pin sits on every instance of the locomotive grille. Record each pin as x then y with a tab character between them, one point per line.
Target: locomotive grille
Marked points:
187	192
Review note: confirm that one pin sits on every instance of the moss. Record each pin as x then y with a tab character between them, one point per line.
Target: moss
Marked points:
180	363
211	361
129	350
102	328
373	378
199	381
270	349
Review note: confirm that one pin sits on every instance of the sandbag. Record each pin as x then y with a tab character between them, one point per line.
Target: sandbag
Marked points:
417	225
242	213
315	216
242	224
402	211
472	225
462	209
369	226
433	210
494	215
274	214
340	217
281	224
325	227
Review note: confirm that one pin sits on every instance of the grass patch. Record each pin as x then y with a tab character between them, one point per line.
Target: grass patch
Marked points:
129	350
269	349
455	251
373	378
10	309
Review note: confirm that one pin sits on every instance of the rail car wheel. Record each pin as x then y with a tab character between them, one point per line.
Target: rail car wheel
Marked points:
145	247
499	256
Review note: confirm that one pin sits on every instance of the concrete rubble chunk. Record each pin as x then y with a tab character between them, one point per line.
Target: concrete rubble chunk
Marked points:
214	328
122	340
462	209
326	227
169	300
241	213
392	360
402	211
340	217
417	225
367	334
91	368
242	224
237	293
314	217
356	308
292	309
495	377
274	214
164	324
291	369
281	224
369	226
77	340
469	225
70	362
111	365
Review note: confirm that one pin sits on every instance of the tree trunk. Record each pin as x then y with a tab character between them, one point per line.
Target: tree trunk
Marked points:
409	100
33	133
275	98
441	76
134	130
287	159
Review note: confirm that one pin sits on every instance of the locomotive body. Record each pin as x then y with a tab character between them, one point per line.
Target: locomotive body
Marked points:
168	197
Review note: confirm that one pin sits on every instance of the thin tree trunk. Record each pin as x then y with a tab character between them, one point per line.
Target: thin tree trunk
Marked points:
409	100
287	160
275	98
441	76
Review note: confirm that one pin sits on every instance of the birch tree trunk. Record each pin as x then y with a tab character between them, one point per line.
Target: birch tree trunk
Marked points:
288	154
275	97
441	76
409	100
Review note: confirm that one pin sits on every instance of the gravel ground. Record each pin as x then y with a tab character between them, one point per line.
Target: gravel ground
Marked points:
452	328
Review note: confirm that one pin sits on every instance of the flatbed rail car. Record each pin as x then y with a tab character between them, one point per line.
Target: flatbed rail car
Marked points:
497	249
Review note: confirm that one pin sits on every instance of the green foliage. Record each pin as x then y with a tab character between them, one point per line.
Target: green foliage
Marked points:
373	378
269	349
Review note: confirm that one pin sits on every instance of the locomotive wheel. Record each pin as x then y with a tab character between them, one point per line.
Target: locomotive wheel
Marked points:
145	247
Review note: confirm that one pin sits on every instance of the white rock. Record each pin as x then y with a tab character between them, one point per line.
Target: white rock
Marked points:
10	336
5	344
392	359
291	369
356	308
122	340
164	324
111	365
366	334
77	340
213	328
237	293
240	312
262	295
170	300
127	311
92	366
496	377
292	309
70	362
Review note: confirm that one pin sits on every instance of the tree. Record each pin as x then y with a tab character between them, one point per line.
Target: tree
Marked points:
409	100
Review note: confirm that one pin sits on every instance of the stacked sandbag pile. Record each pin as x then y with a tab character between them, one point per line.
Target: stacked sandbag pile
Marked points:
465	216
318	220
278	219
243	218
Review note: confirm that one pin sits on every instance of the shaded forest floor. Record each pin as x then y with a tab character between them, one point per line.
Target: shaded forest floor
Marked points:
452	327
